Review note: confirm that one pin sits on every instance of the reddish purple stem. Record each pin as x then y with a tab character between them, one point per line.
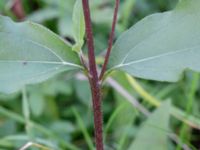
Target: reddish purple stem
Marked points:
93	74
17	9
110	41
93	79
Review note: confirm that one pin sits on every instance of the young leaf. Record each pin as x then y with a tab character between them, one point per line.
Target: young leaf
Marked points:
161	46
78	25
153	135
30	53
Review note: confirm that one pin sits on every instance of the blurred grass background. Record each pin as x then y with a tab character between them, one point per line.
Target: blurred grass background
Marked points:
57	114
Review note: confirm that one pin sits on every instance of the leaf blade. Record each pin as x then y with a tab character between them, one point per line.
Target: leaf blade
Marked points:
152	135
30	53
156	47
78	25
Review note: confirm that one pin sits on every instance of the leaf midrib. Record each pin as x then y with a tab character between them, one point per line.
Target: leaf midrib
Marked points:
44	47
40	62
157	56
162	28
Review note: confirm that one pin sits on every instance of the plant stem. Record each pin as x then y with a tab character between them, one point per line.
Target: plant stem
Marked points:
17	9
93	79
110	41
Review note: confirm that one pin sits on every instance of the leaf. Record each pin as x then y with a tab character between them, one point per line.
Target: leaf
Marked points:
56	9
102	16
161	46
83	93
152	135
43	15
63	22
78	25
37	103
30	53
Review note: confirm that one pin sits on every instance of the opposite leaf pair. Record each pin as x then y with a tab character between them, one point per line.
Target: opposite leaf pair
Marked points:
159	47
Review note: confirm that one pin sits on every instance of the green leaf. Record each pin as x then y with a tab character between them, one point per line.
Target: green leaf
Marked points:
102	16
83	93
153	134
43	15
63	22
36	103
59	10
78	25
161	46
30	53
